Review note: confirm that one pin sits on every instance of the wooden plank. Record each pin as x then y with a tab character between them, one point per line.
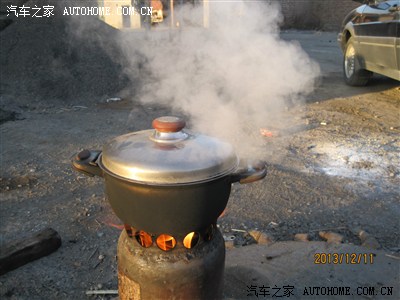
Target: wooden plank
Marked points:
20	252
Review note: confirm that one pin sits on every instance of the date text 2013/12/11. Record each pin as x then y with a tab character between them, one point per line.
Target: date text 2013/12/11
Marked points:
343	258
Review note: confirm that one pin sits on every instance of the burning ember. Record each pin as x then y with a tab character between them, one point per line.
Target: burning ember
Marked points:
265	132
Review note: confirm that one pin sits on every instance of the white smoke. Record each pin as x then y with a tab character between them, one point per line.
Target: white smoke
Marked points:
230	79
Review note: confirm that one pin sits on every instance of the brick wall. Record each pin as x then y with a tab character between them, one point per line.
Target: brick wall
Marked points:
315	14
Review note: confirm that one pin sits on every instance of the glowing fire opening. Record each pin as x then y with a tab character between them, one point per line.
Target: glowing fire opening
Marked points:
166	242
144	238
191	240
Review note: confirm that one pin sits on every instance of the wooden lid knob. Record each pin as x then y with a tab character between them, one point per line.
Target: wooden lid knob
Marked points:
168	124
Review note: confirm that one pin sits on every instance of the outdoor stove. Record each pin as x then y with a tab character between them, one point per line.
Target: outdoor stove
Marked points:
162	266
168	186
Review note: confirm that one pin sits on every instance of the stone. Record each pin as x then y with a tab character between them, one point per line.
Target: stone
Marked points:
331	237
261	237
229	245
301	237
368	240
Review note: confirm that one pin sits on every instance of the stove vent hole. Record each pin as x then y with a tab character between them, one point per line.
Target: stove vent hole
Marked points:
166	242
191	240
144	238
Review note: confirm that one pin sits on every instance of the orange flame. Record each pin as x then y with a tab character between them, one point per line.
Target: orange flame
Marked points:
222	214
144	238
266	132
191	240
166	242
117	226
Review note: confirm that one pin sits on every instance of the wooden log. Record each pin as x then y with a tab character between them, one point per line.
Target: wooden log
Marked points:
20	252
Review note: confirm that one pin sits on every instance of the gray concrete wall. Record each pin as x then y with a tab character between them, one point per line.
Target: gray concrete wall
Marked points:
315	14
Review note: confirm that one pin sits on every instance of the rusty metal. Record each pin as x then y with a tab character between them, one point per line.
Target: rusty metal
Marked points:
150	273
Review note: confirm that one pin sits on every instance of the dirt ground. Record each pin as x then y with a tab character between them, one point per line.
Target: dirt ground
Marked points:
338	166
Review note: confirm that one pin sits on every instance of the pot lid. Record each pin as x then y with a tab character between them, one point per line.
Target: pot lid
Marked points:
167	155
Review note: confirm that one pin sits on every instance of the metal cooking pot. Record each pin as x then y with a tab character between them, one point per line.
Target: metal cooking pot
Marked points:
167	180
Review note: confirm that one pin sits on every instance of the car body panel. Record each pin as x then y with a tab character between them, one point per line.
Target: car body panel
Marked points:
375	29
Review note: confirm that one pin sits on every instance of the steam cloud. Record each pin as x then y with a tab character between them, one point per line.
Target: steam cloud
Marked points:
230	79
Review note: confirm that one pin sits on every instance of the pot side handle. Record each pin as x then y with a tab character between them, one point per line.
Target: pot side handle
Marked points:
86	162
254	172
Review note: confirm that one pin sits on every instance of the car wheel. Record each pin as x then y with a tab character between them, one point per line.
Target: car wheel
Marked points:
354	75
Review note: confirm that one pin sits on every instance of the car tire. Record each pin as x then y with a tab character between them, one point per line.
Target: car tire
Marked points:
354	75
